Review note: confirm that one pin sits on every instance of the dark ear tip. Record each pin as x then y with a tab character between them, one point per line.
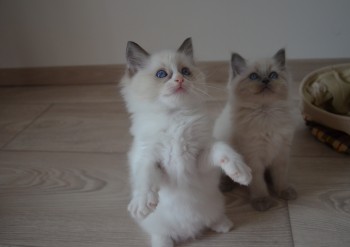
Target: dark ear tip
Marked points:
281	51
186	47
131	44
280	57
189	39
235	56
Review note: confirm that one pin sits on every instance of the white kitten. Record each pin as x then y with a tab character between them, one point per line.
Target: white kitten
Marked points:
257	121
174	163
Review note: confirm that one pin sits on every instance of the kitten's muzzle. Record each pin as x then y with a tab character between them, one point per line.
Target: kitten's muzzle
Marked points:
265	81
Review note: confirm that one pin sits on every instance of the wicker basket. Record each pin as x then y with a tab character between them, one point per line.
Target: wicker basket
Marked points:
329	128
318	115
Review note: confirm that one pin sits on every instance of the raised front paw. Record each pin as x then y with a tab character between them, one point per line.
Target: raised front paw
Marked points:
142	205
232	163
237	170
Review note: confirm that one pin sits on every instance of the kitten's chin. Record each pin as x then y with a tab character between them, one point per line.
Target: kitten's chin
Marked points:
262	95
269	91
265	90
180	98
177	92
180	90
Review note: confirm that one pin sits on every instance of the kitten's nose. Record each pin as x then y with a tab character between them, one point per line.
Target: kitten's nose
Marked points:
265	81
179	79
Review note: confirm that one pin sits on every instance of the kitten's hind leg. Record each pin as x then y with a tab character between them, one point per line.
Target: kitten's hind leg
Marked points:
288	194
162	241
146	177
279	175
262	203
259	194
142	204
231	163
223	225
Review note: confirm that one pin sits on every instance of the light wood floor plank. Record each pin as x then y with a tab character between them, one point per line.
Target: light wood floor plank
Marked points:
60	94
321	215
14	118
50	199
88	127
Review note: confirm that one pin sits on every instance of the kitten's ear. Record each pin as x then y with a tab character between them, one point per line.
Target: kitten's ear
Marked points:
280	58
238	64
136	57
186	48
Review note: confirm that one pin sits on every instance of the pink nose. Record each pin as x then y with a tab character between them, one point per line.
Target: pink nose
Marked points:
179	79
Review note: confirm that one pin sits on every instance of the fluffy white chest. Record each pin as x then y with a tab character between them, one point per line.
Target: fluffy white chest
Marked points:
174	140
180	142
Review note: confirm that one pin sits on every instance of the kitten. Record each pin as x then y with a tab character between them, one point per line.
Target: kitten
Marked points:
174	163
257	121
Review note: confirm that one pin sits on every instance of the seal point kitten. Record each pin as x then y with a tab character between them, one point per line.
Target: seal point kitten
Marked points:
175	164
257	122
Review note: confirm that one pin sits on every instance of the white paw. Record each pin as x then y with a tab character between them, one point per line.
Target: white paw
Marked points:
162	241
239	172
232	163
223	226
142	205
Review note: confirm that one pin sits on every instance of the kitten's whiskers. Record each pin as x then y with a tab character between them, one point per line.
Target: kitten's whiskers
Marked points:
210	85
200	92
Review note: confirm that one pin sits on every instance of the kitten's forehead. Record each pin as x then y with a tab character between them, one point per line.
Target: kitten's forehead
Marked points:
168	58
265	66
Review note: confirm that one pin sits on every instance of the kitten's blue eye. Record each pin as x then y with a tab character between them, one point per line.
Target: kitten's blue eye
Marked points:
185	71
253	76
161	73
273	75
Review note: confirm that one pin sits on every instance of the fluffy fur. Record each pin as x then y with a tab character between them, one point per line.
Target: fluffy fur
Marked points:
257	121
174	163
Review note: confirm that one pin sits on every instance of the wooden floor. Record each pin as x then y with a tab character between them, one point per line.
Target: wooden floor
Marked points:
64	177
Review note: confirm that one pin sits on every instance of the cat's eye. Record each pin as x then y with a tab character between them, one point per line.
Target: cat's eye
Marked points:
273	75
253	76
185	71
161	73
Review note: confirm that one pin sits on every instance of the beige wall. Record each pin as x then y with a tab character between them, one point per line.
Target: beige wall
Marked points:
81	32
